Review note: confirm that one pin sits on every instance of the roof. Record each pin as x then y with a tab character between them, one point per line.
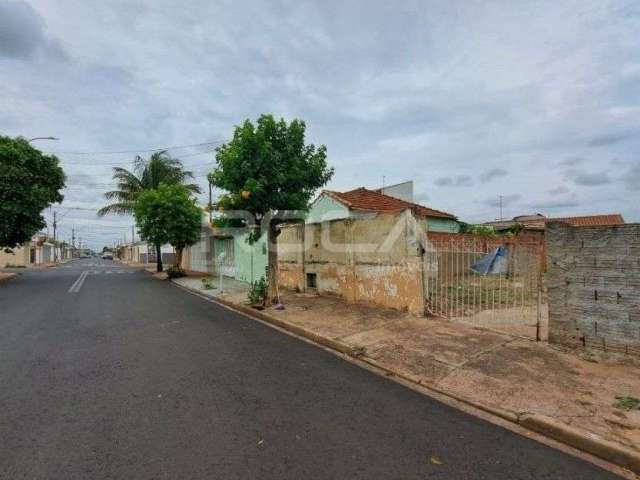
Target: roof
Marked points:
538	222
372	201
591	220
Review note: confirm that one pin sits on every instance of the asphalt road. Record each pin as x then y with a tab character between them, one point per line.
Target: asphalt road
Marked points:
115	375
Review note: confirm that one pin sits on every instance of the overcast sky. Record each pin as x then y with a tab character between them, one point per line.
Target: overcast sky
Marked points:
536	101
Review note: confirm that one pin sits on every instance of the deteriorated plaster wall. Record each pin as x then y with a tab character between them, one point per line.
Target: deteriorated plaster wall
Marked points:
374	259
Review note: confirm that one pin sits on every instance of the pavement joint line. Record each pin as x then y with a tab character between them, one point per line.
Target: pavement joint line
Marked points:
597	448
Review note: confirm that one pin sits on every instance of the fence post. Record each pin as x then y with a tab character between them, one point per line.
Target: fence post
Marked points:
539	303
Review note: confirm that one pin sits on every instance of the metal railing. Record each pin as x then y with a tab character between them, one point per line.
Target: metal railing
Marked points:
512	301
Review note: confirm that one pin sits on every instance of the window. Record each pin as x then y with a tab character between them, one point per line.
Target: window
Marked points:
312	280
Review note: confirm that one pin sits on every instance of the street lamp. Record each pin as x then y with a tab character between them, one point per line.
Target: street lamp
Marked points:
42	138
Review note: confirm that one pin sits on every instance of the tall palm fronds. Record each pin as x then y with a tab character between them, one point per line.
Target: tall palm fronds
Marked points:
146	175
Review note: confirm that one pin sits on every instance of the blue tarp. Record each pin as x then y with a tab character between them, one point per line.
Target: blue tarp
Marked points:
493	263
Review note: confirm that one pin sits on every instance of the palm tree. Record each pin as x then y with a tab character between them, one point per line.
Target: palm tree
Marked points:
160	168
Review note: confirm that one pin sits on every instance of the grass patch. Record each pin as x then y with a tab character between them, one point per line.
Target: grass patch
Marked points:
628	403
207	283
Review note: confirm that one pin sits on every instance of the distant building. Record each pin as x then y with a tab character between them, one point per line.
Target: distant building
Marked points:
402	191
537	222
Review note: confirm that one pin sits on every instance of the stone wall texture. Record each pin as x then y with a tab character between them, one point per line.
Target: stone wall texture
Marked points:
593	283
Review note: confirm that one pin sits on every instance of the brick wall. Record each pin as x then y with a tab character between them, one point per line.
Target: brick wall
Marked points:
593	285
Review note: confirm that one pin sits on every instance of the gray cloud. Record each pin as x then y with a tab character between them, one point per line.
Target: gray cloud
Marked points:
612	138
493	173
560	190
571	161
456	181
421	91
632	178
588	179
564	202
23	32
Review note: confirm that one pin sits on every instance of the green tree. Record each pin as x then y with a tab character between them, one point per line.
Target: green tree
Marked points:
168	214
268	169
147	175
29	182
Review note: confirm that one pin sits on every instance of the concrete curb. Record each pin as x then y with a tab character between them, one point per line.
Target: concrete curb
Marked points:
578	438
327	342
9	276
498	412
574	437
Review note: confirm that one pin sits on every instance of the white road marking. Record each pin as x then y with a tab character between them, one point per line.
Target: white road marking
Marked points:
75	288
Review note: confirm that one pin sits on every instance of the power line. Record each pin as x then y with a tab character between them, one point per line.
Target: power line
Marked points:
78	208
116	164
144	150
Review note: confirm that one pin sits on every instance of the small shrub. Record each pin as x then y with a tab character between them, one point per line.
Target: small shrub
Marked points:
207	283
258	292
11	265
175	272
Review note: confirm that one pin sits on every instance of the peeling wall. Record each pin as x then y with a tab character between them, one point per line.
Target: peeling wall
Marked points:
375	259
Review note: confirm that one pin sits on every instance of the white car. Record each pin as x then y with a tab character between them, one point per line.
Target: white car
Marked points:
107	256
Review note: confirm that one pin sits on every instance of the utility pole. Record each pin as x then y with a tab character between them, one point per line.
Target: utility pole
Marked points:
500	207
210	203
55	247
73	242
133	235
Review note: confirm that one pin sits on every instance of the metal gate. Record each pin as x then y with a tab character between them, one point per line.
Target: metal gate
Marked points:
224	247
511	302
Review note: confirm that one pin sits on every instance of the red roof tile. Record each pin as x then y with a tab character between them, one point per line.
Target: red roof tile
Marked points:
591	220
371	201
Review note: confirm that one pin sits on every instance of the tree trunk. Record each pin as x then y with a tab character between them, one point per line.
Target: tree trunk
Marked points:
179	258
273	295
158	257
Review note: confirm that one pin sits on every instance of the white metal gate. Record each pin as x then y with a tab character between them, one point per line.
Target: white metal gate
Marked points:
224	246
512	301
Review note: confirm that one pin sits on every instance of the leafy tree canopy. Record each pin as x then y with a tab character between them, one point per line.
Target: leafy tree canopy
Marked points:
168	215
268	167
30	181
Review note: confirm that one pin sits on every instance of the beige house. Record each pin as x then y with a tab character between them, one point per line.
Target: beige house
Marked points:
17	257
375	259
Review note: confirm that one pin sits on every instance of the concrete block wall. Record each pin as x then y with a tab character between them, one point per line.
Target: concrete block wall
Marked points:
593	286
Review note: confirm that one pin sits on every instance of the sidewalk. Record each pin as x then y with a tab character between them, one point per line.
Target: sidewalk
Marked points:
6	276
498	371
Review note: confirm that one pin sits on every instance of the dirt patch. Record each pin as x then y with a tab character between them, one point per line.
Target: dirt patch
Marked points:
526	360
414	363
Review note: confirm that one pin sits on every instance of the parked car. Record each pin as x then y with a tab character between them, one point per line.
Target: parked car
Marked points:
107	256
